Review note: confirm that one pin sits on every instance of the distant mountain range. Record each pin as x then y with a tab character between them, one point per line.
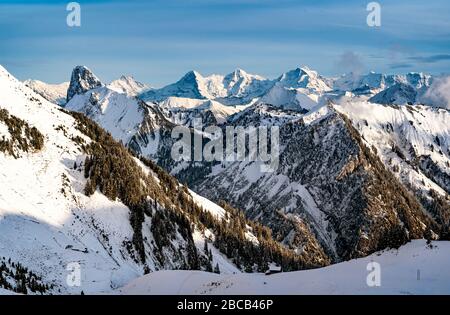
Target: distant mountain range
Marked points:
298	89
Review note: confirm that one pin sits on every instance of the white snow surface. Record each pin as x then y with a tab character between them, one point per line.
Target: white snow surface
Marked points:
415	268
128	85
46	221
116	112
55	93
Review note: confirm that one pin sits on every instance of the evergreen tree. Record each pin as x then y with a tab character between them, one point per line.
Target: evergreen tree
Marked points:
205	247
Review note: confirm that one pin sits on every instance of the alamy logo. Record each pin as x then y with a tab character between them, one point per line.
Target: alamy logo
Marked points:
74	17
74	277
374	277
374	17
253	144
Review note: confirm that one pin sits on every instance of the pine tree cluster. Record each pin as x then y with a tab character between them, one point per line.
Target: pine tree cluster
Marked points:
22	137
230	232
17	278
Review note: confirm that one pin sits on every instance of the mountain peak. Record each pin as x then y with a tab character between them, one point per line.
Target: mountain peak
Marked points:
82	80
303	77
127	84
192	74
239	72
235	75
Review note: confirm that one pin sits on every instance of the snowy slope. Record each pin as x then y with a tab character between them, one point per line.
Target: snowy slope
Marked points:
398	94
55	93
413	269
46	221
6	292
118	113
412	141
128	119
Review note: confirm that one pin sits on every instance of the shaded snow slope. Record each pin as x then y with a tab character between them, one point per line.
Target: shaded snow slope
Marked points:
415	268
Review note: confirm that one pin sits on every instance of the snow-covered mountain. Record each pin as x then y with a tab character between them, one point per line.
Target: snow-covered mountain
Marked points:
365	83
128	85
386	89
406	90
55	93
300	89
397	94
413	142
82	80
135	123
236	88
332	180
73	197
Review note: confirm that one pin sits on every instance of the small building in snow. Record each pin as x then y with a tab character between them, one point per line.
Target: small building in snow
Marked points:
273	268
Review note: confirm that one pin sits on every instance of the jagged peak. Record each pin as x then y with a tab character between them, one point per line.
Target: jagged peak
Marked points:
127	79
82	80
191	75
238	72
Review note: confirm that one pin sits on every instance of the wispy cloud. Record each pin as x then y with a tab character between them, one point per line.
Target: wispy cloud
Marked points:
349	61
431	58
439	93
401	66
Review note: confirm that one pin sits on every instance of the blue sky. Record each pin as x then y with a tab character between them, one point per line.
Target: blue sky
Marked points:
158	41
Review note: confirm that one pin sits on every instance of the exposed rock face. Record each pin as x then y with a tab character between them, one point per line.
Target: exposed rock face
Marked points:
82	80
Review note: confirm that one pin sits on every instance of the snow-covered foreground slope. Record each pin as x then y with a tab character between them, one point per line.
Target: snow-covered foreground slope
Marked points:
6	292
415	268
